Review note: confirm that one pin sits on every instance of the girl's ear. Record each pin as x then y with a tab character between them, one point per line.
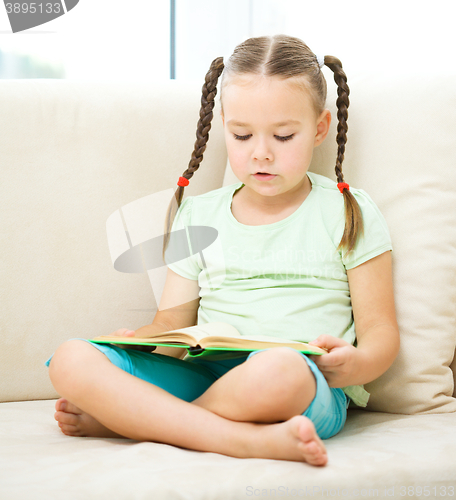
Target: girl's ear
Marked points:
323	124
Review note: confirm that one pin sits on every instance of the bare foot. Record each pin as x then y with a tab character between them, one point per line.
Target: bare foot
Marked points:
74	422
295	439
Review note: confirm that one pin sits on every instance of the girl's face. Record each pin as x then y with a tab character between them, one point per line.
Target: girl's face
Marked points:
271	129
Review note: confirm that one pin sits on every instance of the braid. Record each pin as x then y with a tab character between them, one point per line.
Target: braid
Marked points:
342	104
209	91
206	115
353	216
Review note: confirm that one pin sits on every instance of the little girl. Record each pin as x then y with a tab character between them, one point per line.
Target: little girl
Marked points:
298	256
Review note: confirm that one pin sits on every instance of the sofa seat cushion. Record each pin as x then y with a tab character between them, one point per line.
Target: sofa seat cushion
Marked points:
375	451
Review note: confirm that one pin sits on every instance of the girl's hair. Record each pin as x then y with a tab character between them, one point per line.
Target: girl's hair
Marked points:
283	57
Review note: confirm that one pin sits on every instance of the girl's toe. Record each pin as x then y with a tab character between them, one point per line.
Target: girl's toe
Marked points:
60	404
68	430
66	418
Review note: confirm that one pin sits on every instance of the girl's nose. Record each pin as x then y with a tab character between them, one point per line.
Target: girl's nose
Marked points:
262	151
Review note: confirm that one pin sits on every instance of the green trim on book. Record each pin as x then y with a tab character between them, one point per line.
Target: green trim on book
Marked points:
193	351
132	342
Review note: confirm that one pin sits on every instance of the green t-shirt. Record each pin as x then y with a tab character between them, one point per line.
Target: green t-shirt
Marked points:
285	279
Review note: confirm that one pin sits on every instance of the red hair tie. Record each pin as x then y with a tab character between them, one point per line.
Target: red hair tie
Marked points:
183	182
342	186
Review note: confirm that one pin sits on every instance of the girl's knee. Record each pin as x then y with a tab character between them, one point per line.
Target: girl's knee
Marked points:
283	374
69	358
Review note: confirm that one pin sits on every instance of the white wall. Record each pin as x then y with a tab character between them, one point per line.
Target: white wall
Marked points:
129	40
391	35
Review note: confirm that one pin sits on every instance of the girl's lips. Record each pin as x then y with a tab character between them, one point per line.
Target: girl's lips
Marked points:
264	177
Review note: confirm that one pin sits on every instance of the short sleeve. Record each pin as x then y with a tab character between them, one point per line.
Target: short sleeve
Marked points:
376	238
178	254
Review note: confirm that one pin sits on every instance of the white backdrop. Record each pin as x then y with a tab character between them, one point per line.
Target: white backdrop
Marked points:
129	40
394	35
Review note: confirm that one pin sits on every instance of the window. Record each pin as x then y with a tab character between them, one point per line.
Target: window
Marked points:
114	40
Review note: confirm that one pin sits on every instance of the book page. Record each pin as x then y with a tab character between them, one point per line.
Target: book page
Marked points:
200	332
209	335
191	335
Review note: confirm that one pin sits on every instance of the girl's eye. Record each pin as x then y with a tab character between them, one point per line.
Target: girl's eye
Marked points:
283	139
278	137
241	137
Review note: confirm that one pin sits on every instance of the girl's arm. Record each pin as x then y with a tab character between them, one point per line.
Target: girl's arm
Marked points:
178	309
377	332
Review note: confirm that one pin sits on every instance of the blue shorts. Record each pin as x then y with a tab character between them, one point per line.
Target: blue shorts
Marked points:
189	379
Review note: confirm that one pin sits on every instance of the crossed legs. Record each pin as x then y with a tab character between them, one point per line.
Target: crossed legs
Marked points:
253	411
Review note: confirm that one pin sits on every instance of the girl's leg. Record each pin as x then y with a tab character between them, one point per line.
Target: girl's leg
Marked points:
271	386
136	409
185	380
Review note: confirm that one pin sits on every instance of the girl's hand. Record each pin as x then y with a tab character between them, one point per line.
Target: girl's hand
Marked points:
340	366
125	332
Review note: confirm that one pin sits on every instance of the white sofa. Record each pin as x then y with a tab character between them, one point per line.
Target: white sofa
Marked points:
74	153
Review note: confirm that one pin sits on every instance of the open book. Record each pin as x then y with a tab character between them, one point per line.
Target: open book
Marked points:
201	340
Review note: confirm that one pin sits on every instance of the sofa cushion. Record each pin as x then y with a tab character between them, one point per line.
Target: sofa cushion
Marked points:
401	151
73	153
375	452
